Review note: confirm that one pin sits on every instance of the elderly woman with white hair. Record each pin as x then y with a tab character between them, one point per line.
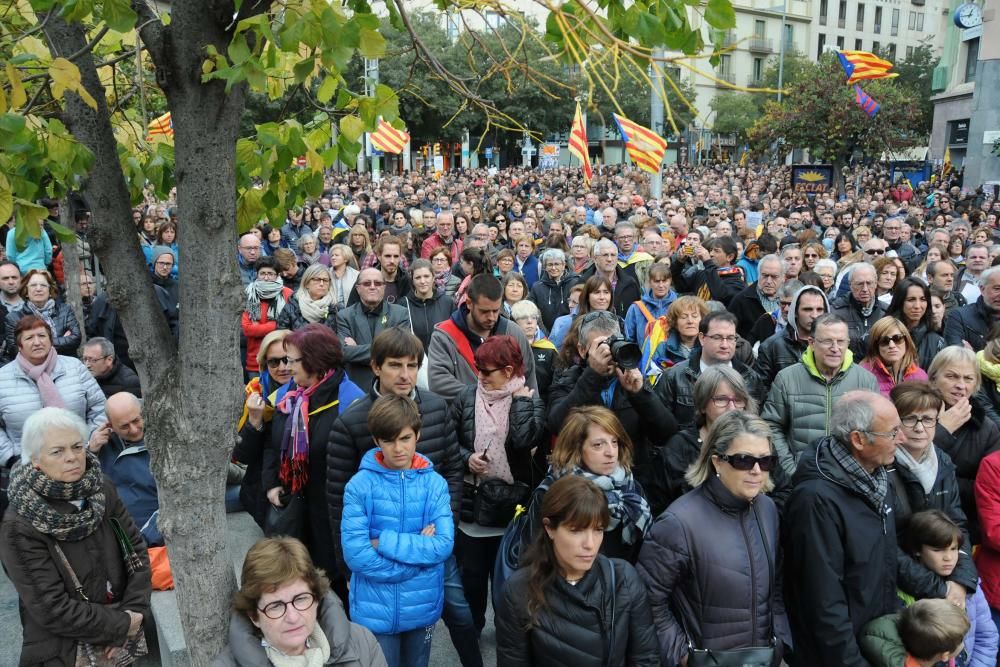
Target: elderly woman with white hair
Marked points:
551	292
72	551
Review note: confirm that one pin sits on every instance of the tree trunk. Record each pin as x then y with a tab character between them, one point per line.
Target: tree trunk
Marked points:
71	270
192	386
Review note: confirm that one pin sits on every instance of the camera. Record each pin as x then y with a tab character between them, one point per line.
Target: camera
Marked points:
626	354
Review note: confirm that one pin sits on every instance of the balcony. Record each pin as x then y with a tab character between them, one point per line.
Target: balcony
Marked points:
730	39
760	44
860	26
878	28
727	77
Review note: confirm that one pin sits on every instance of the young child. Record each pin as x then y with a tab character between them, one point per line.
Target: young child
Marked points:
928	633
934	539
396	533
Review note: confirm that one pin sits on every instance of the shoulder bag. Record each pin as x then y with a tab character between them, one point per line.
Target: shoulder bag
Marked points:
289	519
758	656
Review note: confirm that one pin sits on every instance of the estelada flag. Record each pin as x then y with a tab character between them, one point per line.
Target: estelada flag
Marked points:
865	101
388	139
162	125
947	162
645	147
578	145
861	65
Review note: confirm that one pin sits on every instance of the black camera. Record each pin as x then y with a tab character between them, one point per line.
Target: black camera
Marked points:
626	354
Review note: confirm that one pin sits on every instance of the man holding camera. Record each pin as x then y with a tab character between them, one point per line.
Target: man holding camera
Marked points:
708	270
608	375
717	339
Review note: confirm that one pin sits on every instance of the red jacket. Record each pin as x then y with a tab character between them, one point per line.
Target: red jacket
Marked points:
987	556
434	241
255	331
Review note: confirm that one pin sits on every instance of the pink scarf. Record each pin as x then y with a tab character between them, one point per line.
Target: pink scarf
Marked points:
42	376
492	422
293	470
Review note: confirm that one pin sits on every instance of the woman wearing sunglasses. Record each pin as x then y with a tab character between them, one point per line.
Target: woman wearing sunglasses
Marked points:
710	562
891	356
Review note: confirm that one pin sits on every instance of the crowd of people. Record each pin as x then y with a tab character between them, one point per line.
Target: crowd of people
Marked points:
732	425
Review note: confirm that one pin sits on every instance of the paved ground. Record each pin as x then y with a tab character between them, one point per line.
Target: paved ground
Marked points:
442	652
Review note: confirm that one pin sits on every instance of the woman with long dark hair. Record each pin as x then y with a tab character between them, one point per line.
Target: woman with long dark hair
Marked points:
911	305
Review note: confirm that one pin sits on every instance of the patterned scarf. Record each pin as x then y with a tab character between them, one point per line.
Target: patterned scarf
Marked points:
874	486
31	490
492	424
42	376
265	290
294	470
314	310
626	504
769	303
46	313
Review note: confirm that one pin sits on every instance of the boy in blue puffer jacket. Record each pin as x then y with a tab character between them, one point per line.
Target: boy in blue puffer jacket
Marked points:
396	532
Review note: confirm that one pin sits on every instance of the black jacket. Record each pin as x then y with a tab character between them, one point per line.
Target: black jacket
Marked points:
426	313
100	319
967	446
676	388
291	316
249	450
627	290
66	330
928	343
970	323
525	426
711	566
550	296
747	308
915	578
575	628
839	561
858	325
350	439
712	282
121	378
781	350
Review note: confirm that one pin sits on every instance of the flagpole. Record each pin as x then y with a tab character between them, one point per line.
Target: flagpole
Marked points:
656	119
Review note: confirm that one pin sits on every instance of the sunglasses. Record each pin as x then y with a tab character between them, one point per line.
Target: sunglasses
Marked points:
896	339
371	283
876	251
274	363
745	462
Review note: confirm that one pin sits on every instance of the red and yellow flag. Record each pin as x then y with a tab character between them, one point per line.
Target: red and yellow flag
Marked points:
645	147
160	126
578	145
388	139
861	65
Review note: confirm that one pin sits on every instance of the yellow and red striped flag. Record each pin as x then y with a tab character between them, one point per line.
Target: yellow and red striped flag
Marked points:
645	147
578	145
388	139
162	126
861	65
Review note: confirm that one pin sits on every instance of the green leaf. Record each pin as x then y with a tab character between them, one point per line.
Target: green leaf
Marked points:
28	222
249	209
119	16
370	43
6	200
239	51
720	14
386	102
352	127
303	68
326	89
65	234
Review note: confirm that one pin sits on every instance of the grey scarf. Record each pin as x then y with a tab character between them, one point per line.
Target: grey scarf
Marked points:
770	304
265	290
31	491
626	504
874	486
925	471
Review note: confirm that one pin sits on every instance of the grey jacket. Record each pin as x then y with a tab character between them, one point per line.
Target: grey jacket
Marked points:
19	399
63	322
351	645
363	325
800	403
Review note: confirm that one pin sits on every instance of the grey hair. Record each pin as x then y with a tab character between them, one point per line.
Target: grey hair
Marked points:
107	348
551	255
861	265
773	258
624	225
826	320
951	355
606	323
708	383
988	273
302	239
789	287
524	309
720	438
38	425
603	243
352	209
853	412
827	263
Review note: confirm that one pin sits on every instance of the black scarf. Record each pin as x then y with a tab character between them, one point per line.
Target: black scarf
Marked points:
31	491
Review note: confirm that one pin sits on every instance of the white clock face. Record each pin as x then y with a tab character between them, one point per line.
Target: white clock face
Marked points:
970	15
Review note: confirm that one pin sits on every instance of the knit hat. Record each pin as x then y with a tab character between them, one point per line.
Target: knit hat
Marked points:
162	250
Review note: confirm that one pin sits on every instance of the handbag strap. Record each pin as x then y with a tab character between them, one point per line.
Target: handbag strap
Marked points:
770	569
132	561
72	573
611	630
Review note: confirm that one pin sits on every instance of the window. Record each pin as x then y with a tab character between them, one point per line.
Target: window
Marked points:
875	48
820	45
912	25
822	11
758	69
789	37
840	42
878	20
920	22
453	24
895	23
892	50
958	131
857	45
493	19
861	16
725	65
842	14
971	59
759	29
909	52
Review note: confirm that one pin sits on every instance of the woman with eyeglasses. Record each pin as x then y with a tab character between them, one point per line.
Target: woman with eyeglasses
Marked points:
911	305
924	479
711	560
956	250
266	299
964	430
285	614
40	297
444	280
313	302
891	355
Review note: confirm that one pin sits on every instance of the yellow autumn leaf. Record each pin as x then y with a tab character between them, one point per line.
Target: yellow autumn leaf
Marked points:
3	101
32	45
313	161
18	97
66	76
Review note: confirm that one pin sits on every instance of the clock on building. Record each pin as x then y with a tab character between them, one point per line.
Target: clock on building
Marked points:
968	15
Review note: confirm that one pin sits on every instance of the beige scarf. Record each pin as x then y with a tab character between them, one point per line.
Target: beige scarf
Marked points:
316	655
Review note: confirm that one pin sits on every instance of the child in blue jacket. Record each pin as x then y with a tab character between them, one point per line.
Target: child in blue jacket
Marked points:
396	532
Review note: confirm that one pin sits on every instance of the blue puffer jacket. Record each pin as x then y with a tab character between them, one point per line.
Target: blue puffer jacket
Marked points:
399	585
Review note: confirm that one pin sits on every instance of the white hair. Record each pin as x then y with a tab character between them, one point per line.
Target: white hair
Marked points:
38	425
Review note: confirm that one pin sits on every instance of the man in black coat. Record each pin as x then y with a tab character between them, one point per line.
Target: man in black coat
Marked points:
840	538
111	374
760	297
972	323
396	355
716	278
860	309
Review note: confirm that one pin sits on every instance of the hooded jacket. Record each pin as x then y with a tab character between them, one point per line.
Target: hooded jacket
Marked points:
839	560
397	585
785	348
351	645
800	402
576	627
425	314
710	564
550	296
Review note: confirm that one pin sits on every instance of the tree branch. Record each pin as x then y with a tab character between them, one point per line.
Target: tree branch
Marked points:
151	30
